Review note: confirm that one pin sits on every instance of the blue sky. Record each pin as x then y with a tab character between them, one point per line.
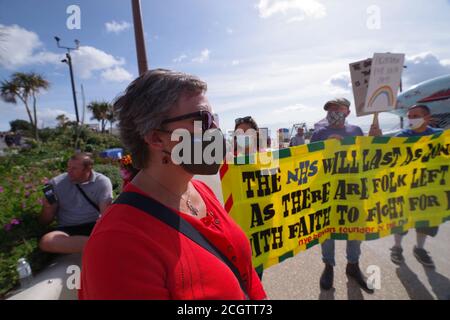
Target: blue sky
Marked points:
277	60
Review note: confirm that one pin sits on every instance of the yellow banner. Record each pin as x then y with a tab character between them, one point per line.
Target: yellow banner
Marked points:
361	188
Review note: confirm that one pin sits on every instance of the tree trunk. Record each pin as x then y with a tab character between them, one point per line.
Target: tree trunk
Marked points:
25	102
36	133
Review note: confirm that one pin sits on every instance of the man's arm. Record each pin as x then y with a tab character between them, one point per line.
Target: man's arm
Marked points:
48	212
104	205
106	194
375	131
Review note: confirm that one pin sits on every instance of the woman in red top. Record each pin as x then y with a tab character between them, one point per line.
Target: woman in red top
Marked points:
133	255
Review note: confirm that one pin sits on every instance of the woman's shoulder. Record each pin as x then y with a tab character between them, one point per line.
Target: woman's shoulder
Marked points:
126	219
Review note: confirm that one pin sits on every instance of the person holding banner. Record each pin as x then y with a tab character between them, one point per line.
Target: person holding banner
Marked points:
298	139
246	142
337	111
167	236
246	136
419	118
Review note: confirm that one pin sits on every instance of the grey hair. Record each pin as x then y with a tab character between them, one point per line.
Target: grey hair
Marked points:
145	105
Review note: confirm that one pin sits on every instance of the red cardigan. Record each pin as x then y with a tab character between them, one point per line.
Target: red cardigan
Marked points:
132	255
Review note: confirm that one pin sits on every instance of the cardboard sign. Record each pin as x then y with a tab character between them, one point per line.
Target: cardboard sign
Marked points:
376	82
360	75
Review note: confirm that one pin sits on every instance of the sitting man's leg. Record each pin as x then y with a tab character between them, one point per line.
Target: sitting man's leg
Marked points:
67	239
61	242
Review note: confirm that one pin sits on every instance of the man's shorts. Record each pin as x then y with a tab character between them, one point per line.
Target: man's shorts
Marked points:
429	231
78	230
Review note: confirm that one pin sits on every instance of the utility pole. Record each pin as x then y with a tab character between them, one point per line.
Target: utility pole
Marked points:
83	100
69	62
139	37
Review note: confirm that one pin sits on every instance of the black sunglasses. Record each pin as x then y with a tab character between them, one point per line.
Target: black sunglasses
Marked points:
207	118
243	120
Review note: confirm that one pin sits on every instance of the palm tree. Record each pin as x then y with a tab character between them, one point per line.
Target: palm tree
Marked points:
62	120
99	111
24	86
111	117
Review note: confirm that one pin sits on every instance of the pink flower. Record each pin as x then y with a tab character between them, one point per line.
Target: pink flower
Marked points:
8	227
28	186
15	221
44	180
23	205
40	201
21	178
27	194
1	189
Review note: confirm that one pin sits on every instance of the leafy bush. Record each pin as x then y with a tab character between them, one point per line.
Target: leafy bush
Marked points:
22	176
113	173
20	205
20	125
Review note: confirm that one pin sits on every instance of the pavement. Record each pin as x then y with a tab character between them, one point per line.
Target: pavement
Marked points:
298	278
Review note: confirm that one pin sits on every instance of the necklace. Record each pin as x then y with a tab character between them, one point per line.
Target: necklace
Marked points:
188	201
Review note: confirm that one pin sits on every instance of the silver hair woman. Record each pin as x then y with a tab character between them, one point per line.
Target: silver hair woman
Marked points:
134	252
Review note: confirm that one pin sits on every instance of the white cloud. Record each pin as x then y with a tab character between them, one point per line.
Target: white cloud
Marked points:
424	66
293	108
204	56
22	48
296	19
117	27
116	74
47	116
88	59
308	8
19	48
180	58
340	81
235	62
230	31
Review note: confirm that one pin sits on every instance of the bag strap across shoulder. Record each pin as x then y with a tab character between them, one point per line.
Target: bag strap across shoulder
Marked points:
92	203
169	217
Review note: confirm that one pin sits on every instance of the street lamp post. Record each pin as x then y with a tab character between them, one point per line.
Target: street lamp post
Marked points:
69	62
139	37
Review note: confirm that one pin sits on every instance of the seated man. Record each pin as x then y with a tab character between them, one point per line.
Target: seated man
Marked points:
82	195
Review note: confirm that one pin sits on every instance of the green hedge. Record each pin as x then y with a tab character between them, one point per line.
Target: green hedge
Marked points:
21	178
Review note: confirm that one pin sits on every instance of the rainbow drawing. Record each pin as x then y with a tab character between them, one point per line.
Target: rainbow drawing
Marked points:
382	91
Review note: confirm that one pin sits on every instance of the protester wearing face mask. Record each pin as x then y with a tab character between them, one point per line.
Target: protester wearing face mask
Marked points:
246	141
167	236
246	135
337	111
419	117
298	139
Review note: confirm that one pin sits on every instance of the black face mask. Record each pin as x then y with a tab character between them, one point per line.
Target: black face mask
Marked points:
205	168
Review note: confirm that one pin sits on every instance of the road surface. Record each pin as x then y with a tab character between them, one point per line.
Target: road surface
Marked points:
298	278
